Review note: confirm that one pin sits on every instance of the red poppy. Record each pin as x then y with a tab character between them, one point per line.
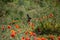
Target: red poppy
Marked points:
32	34
50	15
13	33
9	27
17	26
58	37
27	38
35	38
22	38
38	38
43	38
26	32
51	37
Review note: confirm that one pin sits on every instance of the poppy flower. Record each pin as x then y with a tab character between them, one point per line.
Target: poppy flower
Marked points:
13	33
16	25
50	15
35	38
38	38
32	34
26	32
27	38
51	37
58	37
43	38
22	38
9	27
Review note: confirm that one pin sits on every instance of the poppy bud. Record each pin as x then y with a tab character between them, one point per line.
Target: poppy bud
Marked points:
9	26
58	37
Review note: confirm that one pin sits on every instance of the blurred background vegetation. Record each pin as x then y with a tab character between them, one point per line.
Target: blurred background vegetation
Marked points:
18	9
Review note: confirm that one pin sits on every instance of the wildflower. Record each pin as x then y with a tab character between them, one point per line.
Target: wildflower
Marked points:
16	25
35	38
13	33
9	27
58	37
32	34
22	38
51	37
27	38
43	38
26	32
38	38
50	15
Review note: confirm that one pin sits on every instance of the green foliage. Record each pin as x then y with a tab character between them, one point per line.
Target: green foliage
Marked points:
21	2
6	1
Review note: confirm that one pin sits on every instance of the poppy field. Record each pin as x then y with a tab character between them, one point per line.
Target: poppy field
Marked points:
30	20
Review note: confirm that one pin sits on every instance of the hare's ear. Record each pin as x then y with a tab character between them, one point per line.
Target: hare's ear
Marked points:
27	15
